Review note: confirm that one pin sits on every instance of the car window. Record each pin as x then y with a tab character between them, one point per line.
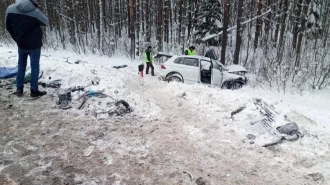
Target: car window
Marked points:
216	65
219	65
178	60
190	62
205	64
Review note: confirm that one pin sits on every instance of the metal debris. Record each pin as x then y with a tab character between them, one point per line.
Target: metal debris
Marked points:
64	100
251	136
89	151
290	129
200	181
83	103
238	110
317	177
190	176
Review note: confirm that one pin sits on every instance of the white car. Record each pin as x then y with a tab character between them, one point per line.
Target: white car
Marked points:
199	69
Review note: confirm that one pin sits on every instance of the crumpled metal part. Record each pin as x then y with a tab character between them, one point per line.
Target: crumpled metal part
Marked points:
290	129
64	100
290	132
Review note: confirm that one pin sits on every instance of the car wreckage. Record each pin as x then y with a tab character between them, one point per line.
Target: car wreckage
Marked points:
201	69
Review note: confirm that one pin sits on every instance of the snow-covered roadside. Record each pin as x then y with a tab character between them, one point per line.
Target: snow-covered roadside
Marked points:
311	112
202	116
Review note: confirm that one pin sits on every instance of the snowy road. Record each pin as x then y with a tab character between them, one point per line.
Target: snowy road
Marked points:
167	139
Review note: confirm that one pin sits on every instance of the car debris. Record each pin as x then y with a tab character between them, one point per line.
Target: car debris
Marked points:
200	181
237	111
190	176
288	131
88	151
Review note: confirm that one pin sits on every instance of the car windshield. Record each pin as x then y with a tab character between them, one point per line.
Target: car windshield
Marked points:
218	65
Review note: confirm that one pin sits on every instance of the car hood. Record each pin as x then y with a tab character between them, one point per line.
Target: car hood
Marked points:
236	68
233	76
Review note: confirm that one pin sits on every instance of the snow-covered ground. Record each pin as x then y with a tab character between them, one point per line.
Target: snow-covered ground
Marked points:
173	128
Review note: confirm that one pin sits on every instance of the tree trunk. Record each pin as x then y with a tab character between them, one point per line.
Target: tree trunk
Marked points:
268	30
180	34
278	12
132	27
148	23
137	25
190	19
166	21
296	24
196	11
258	25
238	32
160	25
281	41
302	30
224	34
101	25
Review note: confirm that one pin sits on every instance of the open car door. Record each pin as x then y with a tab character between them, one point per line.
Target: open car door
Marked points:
211	54
216	74
161	54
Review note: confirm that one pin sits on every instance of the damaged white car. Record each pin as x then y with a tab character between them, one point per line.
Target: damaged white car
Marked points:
200	69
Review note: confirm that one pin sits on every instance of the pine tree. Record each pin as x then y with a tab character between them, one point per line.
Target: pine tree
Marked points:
313	19
209	21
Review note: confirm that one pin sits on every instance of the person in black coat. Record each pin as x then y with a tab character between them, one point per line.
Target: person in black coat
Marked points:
23	21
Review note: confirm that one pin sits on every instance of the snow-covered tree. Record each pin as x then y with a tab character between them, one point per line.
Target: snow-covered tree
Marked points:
313	19
209	21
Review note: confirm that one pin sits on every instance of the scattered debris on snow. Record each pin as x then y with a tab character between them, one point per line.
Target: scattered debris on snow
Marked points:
89	151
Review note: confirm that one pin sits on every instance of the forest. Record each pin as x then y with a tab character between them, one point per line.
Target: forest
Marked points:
283	43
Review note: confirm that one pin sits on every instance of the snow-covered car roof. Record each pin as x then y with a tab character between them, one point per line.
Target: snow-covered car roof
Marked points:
209	54
162	54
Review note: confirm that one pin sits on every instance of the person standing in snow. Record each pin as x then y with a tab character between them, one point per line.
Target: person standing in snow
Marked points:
148	59
190	50
23	21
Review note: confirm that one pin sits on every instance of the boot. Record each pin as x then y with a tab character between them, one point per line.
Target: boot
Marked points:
19	92
37	93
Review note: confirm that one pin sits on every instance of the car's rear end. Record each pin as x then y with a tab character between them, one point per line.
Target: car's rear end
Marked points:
166	67
163	71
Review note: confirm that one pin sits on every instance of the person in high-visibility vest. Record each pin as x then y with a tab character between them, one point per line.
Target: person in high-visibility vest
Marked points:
190	50
148	60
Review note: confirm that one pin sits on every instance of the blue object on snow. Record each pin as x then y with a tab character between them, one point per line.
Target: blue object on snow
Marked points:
92	93
7	72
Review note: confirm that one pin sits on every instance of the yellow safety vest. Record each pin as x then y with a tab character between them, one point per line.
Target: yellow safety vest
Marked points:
190	52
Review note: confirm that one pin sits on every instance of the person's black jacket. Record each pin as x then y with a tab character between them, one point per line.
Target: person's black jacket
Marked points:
23	21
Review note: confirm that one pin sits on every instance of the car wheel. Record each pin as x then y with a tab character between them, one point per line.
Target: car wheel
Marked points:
225	86
174	79
236	85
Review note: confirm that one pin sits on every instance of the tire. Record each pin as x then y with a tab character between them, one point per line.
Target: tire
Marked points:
225	85
235	85
174	78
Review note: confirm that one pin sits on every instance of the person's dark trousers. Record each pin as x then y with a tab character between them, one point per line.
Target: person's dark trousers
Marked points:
34	63
149	64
